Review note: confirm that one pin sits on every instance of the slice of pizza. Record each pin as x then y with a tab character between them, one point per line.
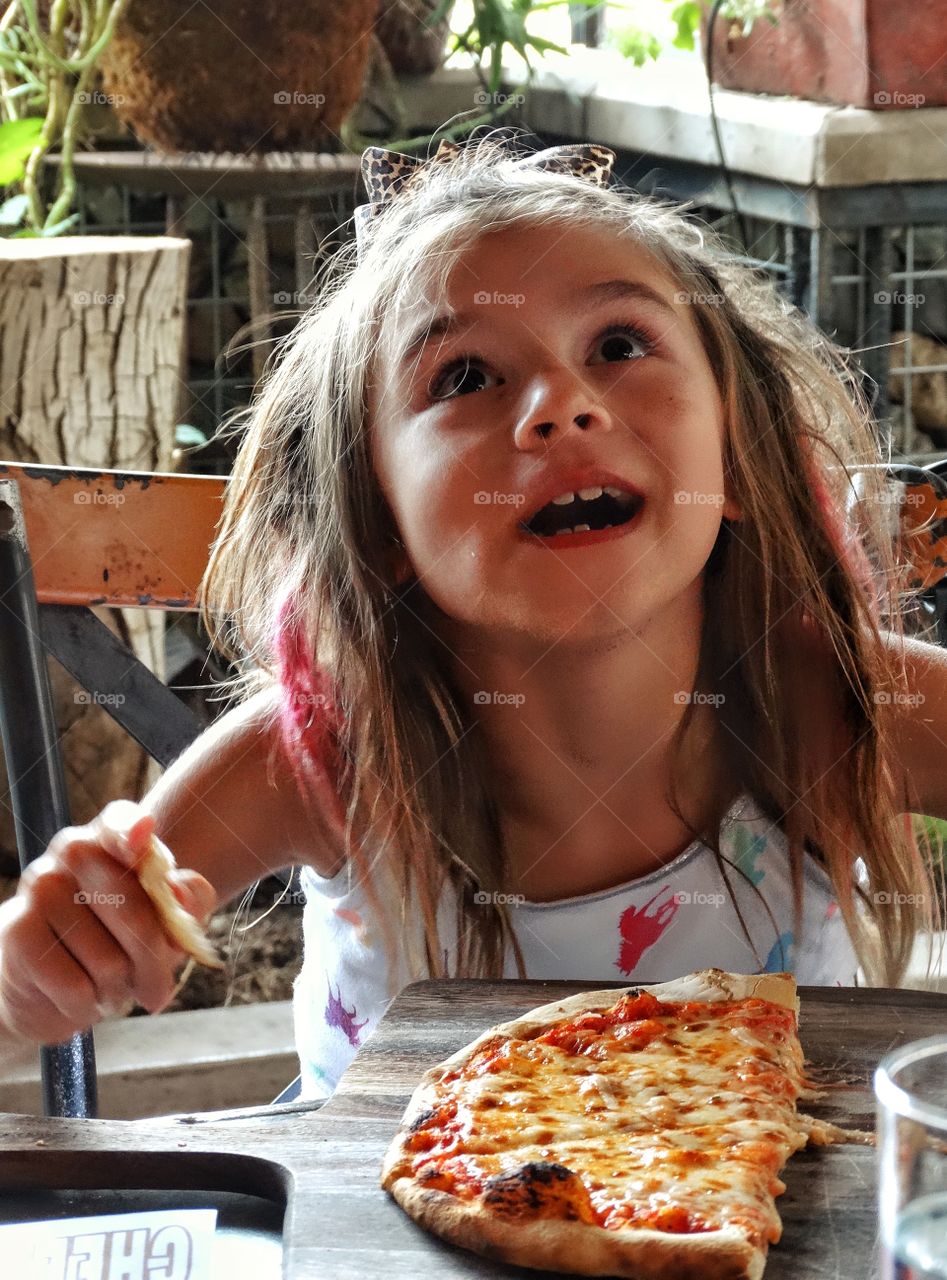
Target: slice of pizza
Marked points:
154	871
635	1133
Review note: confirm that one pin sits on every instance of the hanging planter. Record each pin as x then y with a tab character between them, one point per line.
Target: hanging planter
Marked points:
860	53
239	75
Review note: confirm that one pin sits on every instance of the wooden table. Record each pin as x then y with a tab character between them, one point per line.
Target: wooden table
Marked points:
323	1165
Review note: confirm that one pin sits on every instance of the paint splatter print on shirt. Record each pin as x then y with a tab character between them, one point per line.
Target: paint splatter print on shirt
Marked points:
748	848
336	1015
641	927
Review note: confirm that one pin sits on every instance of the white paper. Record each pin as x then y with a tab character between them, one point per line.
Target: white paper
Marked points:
159	1245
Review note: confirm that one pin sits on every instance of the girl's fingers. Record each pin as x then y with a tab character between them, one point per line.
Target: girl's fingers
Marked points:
131	918
115	896
32	1015
67	988
123	829
92	947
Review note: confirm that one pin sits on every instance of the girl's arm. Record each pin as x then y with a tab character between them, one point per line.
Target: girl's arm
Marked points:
80	937
229	806
919	734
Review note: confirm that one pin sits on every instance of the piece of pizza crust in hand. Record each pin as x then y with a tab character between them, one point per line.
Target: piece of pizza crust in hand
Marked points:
153	872
635	1133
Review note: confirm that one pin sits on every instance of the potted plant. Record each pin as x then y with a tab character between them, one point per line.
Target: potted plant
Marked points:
862	53
224	75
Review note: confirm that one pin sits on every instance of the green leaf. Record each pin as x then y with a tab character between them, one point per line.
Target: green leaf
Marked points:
17	140
633	43
686	18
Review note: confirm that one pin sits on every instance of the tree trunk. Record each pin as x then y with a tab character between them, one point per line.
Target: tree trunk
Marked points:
92	338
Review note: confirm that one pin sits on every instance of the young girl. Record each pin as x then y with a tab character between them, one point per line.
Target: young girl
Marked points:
562	655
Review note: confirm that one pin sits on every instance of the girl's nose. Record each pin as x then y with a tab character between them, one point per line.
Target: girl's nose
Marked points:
556	407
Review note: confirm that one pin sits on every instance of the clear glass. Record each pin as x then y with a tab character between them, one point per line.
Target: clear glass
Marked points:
911	1093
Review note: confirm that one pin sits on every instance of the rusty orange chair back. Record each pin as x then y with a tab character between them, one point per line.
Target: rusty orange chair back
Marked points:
71	539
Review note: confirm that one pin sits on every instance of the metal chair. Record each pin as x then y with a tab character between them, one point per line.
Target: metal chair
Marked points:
918	527
70	539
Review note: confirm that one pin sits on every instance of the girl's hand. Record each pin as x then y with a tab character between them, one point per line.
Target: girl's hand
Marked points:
81	940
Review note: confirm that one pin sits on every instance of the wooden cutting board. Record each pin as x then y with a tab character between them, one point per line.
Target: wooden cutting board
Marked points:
324	1164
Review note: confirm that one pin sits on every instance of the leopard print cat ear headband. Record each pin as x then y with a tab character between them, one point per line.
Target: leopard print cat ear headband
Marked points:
386	173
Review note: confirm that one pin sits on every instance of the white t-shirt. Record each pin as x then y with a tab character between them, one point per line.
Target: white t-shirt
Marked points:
673	921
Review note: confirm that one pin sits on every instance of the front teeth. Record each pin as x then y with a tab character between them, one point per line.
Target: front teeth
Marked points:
587	495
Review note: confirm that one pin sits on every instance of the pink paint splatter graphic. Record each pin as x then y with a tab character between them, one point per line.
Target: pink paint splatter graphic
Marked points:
336	1015
641	927
349	916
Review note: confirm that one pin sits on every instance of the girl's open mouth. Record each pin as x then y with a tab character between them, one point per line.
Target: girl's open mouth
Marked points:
584	521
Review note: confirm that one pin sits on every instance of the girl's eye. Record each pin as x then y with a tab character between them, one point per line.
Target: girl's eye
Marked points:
459	377
615	341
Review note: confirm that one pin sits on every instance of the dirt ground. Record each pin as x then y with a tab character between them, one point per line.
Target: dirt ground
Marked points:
261	947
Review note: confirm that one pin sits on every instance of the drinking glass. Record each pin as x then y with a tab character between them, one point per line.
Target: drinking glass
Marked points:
911	1094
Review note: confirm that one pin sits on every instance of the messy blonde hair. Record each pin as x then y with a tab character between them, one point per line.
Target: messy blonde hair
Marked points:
299	587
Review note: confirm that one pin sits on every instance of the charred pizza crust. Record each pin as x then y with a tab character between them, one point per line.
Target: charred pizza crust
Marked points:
577	1246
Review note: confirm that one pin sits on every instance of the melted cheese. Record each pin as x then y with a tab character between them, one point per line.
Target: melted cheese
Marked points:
672	1121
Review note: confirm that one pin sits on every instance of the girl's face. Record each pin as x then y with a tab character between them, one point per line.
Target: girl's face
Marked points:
571	362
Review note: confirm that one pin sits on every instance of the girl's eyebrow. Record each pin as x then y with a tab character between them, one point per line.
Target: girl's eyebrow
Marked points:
456	322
